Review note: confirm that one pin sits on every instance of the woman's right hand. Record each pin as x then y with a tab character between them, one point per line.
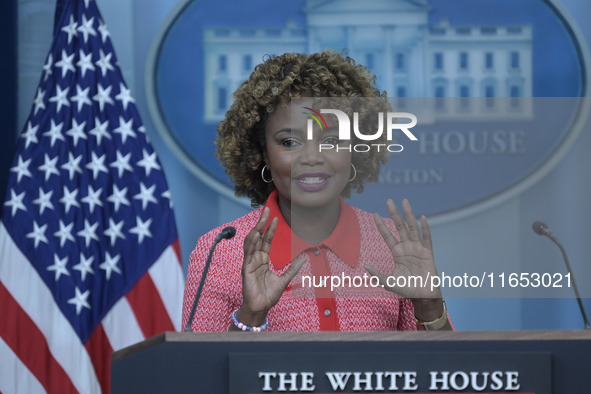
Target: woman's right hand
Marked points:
261	287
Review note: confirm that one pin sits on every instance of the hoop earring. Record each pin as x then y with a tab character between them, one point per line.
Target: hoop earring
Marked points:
263	175
354	172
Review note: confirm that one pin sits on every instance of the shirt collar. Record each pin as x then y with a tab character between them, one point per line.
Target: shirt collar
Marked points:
345	240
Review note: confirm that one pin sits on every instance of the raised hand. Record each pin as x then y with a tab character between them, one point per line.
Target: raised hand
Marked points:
413	258
261	287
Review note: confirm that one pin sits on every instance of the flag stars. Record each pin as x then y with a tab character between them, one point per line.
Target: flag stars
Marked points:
69	199
73	165
100	130
44	200
86	28
77	131
89	232
97	165
38	234
118	197
122	163
167	195
30	135
65	63
146	195
49	167
16	202
103	30
55	132
71	29
22	169
104	63
85	62
39	101
103	96
84	266
93	198
124	96
65	233
47	67
110	265
125	129
149	162
80	300
142	229
60	98
59	267
114	231
81	97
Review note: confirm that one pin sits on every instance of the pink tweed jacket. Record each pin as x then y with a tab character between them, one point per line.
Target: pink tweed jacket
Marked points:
305	305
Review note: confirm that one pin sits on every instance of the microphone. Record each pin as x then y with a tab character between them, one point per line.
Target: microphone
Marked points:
542	229
227	233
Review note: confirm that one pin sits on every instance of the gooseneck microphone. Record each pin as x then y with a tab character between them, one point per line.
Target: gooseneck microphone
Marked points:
542	229
227	233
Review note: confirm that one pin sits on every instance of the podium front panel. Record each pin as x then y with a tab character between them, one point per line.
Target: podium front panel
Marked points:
233	362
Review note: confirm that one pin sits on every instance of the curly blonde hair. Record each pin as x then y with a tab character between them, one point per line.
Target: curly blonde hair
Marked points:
241	135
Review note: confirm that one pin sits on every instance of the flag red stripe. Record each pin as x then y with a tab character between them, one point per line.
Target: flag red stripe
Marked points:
148	307
29	344
99	348
176	246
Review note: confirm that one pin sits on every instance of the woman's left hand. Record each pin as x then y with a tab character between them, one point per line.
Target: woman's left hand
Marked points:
413	257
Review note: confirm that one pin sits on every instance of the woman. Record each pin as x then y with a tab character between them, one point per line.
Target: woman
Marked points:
305	228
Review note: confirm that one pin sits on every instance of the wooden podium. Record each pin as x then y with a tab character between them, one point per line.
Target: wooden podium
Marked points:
557	362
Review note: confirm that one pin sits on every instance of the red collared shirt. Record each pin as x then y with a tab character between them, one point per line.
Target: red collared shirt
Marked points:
308	303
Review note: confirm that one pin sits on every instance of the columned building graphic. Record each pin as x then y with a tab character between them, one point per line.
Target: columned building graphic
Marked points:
394	39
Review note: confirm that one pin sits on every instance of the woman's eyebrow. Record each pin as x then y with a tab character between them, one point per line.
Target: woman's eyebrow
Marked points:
288	130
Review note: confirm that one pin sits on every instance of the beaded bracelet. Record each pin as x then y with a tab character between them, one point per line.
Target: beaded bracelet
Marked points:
244	327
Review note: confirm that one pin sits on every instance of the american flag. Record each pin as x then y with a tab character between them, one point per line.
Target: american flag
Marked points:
89	257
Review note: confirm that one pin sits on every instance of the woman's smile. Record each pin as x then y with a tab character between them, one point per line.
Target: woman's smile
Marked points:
312	181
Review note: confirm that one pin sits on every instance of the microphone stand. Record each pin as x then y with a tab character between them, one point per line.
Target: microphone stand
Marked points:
227	233
570	271
541	228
